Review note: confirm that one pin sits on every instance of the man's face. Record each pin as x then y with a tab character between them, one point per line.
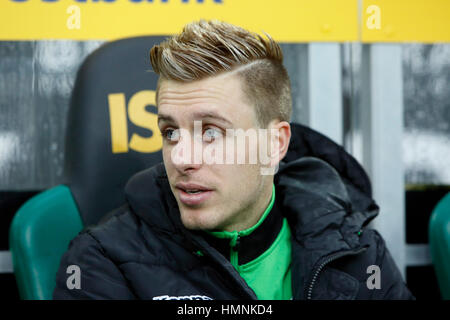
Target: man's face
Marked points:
218	195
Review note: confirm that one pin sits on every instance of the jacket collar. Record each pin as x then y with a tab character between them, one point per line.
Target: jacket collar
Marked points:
252	242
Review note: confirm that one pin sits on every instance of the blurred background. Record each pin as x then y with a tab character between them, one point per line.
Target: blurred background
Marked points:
372	75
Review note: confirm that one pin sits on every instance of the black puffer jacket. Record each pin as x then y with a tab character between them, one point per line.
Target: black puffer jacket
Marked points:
142	250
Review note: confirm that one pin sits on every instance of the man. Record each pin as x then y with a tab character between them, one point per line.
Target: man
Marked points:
213	223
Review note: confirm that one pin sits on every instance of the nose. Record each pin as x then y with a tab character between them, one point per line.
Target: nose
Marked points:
187	155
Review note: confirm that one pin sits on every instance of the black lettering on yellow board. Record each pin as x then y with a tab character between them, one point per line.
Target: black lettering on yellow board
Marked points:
138	115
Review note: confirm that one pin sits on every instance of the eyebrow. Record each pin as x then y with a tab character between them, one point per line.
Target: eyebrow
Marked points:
196	115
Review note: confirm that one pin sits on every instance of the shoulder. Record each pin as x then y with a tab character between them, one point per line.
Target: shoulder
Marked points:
118	237
99	252
374	255
92	259
375	269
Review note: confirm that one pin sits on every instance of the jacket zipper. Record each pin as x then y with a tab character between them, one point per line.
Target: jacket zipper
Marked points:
234	251
328	259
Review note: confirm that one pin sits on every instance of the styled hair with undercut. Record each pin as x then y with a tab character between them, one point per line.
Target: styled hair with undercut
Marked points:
208	48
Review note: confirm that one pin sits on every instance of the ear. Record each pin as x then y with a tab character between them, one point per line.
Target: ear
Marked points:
280	136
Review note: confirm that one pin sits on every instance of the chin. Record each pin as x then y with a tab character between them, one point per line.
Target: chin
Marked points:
193	220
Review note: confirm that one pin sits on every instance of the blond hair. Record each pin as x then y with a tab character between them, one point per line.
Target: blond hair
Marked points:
208	48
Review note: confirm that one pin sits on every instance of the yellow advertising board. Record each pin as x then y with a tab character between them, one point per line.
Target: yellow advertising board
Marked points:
285	20
405	21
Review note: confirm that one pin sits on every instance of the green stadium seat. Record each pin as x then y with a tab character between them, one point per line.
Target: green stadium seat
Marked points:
439	241
39	235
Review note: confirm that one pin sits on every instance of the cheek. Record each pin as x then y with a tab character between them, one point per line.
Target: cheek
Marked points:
166	153
241	151
240	179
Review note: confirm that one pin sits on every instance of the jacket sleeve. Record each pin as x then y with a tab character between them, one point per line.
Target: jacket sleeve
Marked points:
85	272
392	285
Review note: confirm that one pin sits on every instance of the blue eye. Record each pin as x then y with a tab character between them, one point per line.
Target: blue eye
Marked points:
211	134
171	134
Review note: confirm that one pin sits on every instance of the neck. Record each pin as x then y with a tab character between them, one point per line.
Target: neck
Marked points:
251	215
247	231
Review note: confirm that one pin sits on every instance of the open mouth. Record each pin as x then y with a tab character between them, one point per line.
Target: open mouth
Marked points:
192	194
193	191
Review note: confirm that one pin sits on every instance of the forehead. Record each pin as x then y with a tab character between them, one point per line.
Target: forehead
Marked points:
222	94
218	86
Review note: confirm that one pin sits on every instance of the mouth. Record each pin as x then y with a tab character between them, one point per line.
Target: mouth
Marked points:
192	194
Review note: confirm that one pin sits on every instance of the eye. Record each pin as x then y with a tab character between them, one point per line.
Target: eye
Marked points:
211	134
171	135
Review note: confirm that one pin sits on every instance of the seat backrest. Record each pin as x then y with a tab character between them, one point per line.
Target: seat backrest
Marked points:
112	127
39	234
439	241
111	134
